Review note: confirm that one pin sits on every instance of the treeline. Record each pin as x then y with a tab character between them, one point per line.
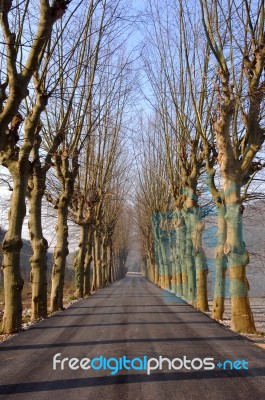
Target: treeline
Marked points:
205	65
65	87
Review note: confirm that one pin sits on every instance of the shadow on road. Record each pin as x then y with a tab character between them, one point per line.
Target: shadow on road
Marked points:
116	341
125	379
119	324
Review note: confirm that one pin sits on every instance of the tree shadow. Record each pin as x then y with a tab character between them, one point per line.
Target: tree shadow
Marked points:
120	324
118	341
78	383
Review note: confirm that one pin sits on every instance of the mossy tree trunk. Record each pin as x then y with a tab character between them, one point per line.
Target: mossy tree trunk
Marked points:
165	260
201	267
181	274
238	130
220	257
159	251
237	256
181	245
153	270
189	259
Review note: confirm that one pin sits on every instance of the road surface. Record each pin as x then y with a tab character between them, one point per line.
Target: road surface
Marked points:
136	319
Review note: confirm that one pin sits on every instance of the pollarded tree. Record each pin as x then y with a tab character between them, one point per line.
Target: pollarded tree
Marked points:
101	156
237	40
167	69
48	79
22	51
121	242
114	211
88	114
200	85
153	198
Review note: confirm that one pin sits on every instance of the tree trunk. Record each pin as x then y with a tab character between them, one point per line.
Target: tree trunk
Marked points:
17	161
173	251
94	270
201	266
189	260
97	260
152	266
237	256
109	261
39	246
60	254
169	245
220	265
103	252
80	261
88	260
114	266
156	273
87	272
12	244
181	273
165	261
220	257
158	251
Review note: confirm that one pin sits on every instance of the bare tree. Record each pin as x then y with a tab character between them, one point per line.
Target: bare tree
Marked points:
19	65
152	199
237	41
179	109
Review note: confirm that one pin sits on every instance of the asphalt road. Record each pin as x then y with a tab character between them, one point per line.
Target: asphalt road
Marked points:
136	319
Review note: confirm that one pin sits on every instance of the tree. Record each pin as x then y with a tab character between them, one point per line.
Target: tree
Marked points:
18	69
49	77
237	125
90	112
152	199
179	108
